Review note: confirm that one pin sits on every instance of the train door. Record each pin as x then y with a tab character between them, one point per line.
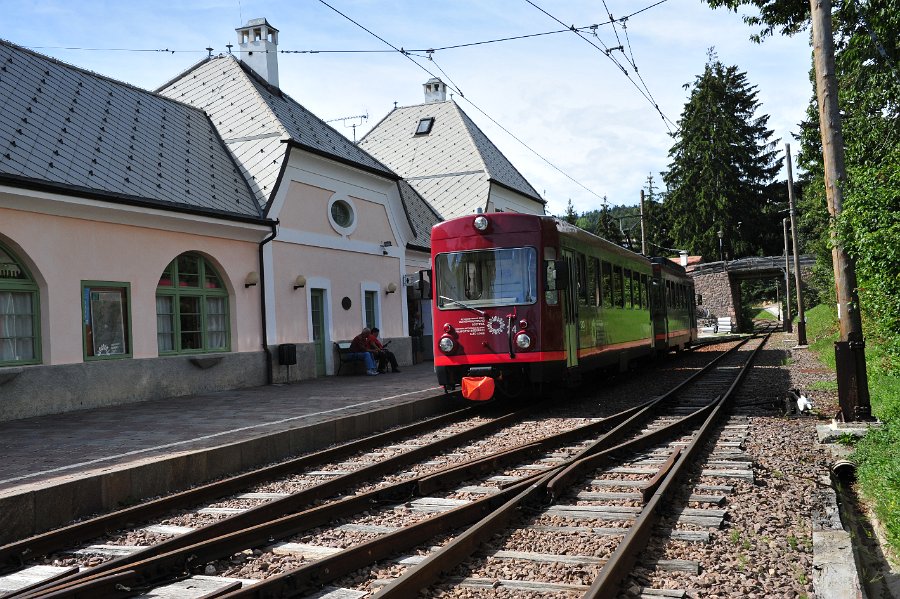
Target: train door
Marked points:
658	308
570	311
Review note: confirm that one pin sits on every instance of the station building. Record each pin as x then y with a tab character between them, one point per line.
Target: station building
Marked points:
196	238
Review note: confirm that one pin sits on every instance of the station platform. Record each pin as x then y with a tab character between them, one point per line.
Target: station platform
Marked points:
59	467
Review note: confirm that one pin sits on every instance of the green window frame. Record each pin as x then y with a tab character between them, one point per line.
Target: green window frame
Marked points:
20	330
371	308
106	320
192	314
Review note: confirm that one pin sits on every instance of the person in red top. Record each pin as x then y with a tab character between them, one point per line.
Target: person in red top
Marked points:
359	348
383	354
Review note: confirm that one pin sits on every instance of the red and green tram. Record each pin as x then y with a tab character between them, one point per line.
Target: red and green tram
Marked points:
523	300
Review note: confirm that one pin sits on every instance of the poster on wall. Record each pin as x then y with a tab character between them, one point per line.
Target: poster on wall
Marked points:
108	324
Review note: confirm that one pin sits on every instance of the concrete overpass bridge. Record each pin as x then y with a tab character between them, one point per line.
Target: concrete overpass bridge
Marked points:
719	283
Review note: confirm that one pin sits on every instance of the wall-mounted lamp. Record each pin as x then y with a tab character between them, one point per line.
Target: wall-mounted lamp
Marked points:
252	279
299	282
384	246
391	288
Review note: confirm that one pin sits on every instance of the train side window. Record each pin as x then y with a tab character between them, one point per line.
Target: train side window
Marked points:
593	281
618	288
635	295
636	289
581	268
606	280
645	292
628	299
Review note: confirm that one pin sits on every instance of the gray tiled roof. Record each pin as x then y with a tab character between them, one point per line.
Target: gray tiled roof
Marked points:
420	213
452	165
256	120
67	128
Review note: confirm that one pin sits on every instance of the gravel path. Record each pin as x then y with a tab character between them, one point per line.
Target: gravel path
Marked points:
765	547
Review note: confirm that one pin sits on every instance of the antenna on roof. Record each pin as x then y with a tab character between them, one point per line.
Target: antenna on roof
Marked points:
344	119
229	46
210	52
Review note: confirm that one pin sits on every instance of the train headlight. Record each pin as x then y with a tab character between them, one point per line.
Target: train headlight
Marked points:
481	223
523	340
446	344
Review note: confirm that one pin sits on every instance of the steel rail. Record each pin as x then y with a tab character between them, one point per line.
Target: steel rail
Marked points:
614	571
452	554
176	562
163	566
16	553
291	504
172	560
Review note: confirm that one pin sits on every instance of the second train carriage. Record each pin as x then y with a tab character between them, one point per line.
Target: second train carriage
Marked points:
523	300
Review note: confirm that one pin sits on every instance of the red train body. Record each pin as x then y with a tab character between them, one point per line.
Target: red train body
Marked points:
522	300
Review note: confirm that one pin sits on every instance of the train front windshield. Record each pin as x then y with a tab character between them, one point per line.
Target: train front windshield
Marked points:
482	278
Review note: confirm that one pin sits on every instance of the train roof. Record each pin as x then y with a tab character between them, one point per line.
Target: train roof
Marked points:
525	222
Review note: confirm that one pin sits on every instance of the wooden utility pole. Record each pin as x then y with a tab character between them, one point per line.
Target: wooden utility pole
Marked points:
788	327
643	233
801	313
853	384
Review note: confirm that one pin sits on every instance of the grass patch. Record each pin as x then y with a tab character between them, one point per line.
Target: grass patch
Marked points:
824	386
877	455
764	315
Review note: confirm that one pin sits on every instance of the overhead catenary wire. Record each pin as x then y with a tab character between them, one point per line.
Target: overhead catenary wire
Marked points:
568	29
608	53
457	90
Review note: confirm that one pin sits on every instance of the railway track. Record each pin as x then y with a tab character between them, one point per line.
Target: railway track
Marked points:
400	498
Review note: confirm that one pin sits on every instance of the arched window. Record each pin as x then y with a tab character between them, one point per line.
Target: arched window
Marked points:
191	307
20	341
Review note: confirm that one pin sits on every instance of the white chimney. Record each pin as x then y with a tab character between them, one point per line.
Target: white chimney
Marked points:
258	43
435	91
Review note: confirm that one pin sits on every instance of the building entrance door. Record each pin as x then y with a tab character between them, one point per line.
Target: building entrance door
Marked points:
317	312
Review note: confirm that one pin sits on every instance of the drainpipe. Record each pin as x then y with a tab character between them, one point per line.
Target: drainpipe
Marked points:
262	299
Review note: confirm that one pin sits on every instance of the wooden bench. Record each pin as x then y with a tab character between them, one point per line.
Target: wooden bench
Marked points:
345	356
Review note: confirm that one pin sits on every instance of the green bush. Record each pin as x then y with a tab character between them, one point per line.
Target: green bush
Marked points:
877	455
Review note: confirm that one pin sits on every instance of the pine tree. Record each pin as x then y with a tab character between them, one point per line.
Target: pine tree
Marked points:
722	161
607	226
570	216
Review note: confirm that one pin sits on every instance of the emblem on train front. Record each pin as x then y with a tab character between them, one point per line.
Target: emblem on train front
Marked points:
496	325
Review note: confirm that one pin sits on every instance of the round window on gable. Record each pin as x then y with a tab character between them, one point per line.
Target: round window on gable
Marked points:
342	214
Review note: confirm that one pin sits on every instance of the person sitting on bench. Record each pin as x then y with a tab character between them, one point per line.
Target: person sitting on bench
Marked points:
381	352
359	349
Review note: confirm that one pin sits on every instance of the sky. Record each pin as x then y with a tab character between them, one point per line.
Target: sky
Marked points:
557	106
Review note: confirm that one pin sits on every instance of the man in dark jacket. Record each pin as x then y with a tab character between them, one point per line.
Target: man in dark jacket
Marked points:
359	349
383	354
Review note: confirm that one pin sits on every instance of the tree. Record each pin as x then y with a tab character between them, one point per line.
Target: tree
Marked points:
607	227
720	165
570	216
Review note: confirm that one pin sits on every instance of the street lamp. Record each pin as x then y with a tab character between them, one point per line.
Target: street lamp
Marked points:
721	234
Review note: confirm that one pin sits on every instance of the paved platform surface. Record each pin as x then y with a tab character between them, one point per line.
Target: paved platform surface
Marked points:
47	450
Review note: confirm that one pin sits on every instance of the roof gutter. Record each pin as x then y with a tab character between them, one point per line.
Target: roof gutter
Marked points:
128	200
262	298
